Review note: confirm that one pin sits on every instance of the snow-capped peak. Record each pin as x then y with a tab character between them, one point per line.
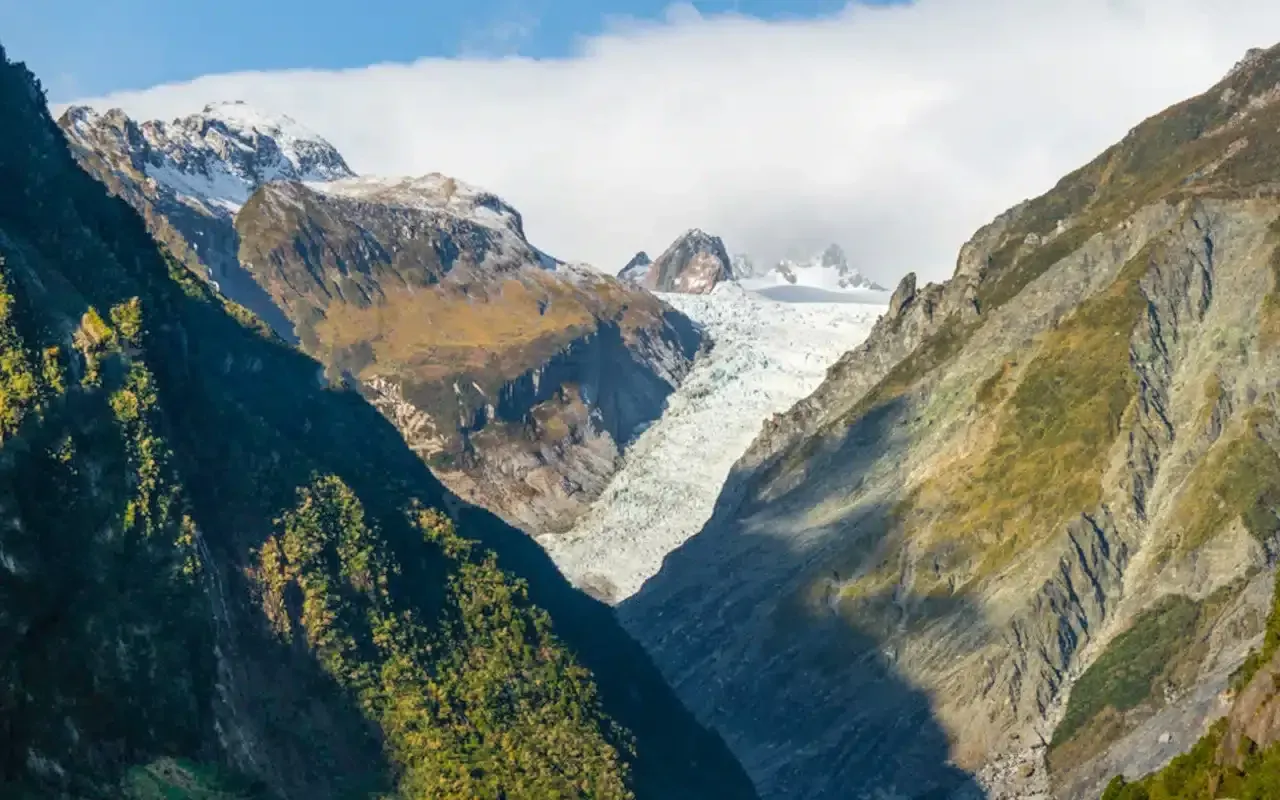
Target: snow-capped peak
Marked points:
637	268
215	159
238	115
834	256
431	192
743	266
829	270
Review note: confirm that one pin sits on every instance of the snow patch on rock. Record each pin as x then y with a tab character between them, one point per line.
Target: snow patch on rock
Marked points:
767	355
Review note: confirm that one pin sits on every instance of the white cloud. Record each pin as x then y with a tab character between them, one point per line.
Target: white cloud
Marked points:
893	131
504	35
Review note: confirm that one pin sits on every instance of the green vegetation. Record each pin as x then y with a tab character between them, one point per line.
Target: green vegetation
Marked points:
179	779
485	703
1046	462
18	381
1162	649
1196	775
1124	676
1238	478
201	546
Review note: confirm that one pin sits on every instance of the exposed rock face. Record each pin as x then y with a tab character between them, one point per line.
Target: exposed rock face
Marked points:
636	269
743	266
1254	718
520	378
189	177
907	572
693	264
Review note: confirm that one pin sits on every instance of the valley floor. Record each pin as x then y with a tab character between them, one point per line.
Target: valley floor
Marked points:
767	356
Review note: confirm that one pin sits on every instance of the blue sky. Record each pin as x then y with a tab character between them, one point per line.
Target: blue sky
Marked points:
91	47
873	129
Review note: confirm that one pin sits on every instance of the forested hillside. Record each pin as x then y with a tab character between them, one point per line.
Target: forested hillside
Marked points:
221	576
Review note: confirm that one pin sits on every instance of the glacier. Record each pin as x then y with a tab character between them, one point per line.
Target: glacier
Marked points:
767	355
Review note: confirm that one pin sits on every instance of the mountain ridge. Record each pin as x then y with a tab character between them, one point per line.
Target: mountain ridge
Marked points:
1001	480
829	270
695	263
215	562
518	376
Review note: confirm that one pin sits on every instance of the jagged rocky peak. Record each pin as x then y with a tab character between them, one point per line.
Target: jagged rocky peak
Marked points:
517	376
829	269
903	295
637	268
215	158
833	256
1251	57
743	266
694	264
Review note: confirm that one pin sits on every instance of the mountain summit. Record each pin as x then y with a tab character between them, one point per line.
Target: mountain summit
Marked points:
637	268
693	264
519	377
213	160
189	177
829	270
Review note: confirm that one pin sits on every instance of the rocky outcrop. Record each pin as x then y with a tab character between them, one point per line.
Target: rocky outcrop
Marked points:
829	269
907	574
742	266
189	177
1254	719
518	377
636	269
533	374
693	264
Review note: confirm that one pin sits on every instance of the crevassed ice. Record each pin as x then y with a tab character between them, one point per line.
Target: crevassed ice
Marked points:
767	356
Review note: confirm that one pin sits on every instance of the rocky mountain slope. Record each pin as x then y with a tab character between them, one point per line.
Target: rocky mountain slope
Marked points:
637	268
189	177
220	577
767	356
518	377
694	264
1020	539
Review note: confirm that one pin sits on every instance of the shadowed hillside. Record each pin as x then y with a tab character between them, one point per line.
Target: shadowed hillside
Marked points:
222	577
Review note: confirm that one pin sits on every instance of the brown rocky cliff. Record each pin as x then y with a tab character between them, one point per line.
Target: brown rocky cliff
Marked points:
1254	719
693	264
518	377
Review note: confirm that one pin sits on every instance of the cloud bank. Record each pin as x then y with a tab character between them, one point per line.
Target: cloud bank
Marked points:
893	131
